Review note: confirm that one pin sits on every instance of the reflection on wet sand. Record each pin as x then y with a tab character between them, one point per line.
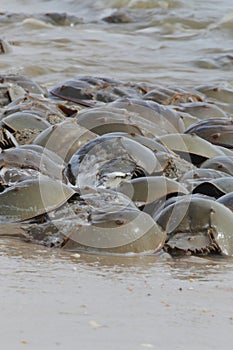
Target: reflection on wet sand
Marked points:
211	268
55	298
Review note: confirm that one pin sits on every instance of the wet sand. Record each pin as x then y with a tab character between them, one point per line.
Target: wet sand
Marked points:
51	299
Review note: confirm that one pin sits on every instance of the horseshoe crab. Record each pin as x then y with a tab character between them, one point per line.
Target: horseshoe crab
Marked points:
201	110
127	232
194	177
31	198
108	160
141	117
227	200
145	190
197	225
22	120
218	131
17	164
143	140
120	16
216	187
10	92
172	165
190	147
150	193
38	20
71	137
24	126
226	151
119	233
105	201
159	94
88	91
215	92
188	119
222	163
100	221
166	119
25	83
107	119
43	107
172	95
146	158
44	151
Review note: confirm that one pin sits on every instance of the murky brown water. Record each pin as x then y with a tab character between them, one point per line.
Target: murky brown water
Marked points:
167	42
52	299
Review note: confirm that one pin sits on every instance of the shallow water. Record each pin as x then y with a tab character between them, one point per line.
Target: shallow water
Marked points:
167	42
53	299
